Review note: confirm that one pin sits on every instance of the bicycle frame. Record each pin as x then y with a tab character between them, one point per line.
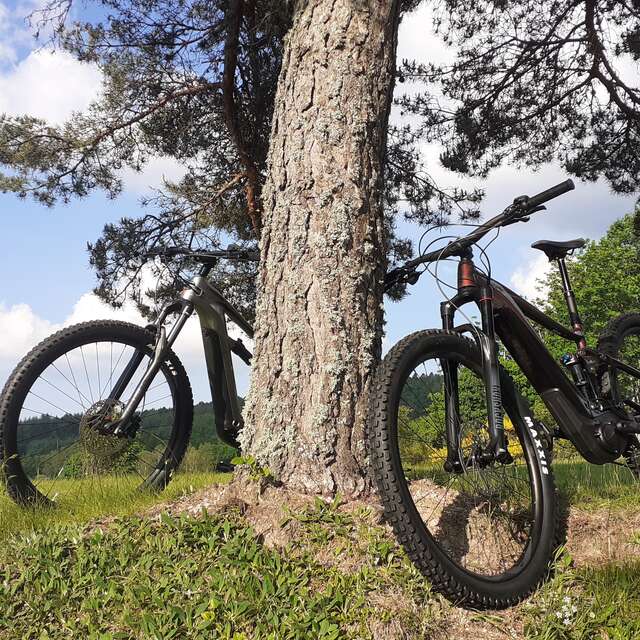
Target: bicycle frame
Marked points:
591	426
212	309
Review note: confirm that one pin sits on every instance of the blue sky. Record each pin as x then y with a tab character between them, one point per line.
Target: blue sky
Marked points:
46	280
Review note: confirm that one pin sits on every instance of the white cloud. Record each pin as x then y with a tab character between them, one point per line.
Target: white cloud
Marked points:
153	174
11	34
7	53
49	85
20	329
525	279
52	85
417	39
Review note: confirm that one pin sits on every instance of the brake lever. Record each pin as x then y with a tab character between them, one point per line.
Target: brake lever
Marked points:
398	276
520	213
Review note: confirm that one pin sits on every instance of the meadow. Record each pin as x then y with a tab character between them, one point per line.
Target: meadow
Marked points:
81	503
338	574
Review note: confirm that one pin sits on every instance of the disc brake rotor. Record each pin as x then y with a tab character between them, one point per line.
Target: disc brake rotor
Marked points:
95	435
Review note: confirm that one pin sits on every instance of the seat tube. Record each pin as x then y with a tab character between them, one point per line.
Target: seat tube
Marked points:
572	306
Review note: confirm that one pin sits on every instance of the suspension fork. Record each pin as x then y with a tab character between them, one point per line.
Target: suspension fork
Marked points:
162	346
491	372
486	338
454	461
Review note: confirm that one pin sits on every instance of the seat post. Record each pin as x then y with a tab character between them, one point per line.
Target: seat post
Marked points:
569	296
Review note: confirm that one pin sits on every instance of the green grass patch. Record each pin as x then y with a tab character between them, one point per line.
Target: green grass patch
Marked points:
602	602
80	502
591	486
211	577
342	576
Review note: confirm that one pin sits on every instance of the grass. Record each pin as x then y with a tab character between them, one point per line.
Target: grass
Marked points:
212	578
593	602
586	486
342	576
590	487
79	503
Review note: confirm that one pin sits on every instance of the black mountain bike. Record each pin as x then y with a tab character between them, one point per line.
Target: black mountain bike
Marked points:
462	465
105	402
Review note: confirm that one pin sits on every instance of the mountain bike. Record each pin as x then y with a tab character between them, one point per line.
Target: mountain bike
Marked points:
462	464
107	401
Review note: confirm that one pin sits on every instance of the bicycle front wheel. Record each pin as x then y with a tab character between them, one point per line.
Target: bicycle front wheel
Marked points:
484	535
55	407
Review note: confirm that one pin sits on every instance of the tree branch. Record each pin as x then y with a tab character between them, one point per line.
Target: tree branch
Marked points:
252	188
599	57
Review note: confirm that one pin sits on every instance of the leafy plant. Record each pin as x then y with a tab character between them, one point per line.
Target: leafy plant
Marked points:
257	472
181	577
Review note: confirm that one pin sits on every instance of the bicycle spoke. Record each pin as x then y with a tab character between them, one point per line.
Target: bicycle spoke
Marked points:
55	406
472	513
87	374
64	454
81	395
62	392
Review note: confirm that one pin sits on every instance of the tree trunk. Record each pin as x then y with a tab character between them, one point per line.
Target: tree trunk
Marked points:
319	312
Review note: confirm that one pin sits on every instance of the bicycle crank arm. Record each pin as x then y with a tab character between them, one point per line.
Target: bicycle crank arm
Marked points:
628	427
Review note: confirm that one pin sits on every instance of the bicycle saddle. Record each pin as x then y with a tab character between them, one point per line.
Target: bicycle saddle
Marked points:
555	250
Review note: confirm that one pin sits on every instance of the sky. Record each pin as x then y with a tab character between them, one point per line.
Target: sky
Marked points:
45	278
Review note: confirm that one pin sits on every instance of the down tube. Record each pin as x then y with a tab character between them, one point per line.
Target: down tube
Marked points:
228	418
575	420
529	352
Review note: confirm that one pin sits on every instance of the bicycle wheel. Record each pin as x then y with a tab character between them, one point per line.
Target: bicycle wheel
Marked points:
56	402
484	536
621	339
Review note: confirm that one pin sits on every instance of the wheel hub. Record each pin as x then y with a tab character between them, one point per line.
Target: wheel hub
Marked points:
96	436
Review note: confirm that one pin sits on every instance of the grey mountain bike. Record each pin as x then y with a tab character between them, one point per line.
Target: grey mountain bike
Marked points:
109	402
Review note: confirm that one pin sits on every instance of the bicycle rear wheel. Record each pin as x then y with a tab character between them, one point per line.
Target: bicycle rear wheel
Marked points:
485	536
621	339
55	407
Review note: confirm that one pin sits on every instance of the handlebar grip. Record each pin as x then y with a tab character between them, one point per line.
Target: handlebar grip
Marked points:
549	194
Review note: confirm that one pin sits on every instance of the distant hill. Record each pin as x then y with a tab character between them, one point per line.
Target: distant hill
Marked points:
40	437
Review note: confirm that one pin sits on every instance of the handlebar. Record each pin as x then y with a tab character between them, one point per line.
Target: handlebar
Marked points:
550	194
232	252
519	211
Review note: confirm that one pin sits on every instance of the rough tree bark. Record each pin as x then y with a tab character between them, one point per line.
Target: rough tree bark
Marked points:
319	311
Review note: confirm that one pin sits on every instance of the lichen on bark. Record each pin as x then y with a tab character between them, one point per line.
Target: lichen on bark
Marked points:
319	316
